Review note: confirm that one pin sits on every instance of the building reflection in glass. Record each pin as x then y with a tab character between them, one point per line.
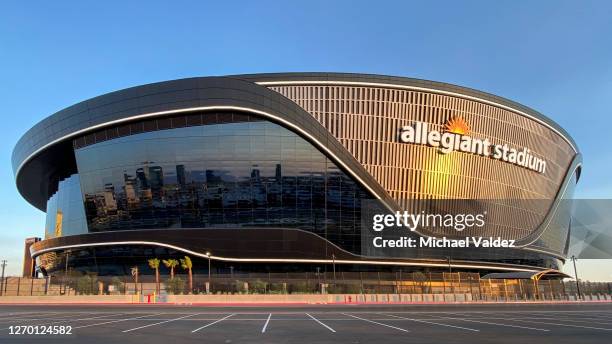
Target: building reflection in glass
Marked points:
220	175
65	213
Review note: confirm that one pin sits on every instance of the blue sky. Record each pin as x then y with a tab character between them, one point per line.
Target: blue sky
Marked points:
554	56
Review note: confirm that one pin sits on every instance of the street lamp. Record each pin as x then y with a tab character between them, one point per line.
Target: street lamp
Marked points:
576	276
66	264
208	256
135	275
231	272
334	266
450	269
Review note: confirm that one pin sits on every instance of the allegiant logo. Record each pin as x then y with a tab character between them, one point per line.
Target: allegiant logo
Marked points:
456	138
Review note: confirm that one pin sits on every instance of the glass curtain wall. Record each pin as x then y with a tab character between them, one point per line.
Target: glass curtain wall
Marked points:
225	173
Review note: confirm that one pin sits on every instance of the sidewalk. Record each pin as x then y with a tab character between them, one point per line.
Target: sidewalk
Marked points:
280	299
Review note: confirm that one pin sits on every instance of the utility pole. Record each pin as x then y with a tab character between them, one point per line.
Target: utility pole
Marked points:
2	282
576	276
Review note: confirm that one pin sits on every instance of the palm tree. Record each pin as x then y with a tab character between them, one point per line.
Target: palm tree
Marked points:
171	264
154	264
187	264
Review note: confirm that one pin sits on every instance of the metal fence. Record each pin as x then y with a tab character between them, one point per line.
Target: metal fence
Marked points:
308	283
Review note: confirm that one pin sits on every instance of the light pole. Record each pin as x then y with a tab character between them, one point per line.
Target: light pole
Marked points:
135	275
576	276
334	266
450	269
2	282
66	271
66	266
231	272
208	256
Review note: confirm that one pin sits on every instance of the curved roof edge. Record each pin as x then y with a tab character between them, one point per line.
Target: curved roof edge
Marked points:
38	150
195	93
403	81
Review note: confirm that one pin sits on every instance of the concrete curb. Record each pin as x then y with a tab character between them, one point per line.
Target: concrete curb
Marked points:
271	300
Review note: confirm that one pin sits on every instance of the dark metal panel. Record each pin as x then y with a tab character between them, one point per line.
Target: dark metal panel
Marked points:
40	158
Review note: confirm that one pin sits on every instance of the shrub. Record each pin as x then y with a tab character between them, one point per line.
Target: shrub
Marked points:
421	280
258	287
87	285
334	289
239	286
117	284
348	288
299	288
277	288
175	285
352	289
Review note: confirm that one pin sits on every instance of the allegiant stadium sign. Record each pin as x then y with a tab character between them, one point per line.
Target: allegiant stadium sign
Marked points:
456	138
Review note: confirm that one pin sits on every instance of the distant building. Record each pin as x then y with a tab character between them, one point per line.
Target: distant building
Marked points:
180	175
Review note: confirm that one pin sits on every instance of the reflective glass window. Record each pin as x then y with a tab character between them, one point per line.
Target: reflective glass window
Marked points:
65	212
223	174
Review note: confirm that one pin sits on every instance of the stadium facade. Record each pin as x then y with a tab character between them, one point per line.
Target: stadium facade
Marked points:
267	172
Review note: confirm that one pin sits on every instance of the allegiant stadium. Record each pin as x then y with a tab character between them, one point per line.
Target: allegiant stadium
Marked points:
269	172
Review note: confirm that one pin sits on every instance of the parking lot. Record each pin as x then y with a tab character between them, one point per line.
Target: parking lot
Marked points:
584	323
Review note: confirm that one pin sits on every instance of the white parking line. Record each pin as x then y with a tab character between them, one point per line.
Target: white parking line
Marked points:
582	316
376	322
25	314
116	321
90	318
489	312
568	319
322	324
59	320
572	314
555	324
33	316
534	315
548	318
212	323
434	323
266	324
159	323
498	324
9	320
64	320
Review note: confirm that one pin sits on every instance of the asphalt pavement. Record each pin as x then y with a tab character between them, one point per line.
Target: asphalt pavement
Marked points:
171	324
